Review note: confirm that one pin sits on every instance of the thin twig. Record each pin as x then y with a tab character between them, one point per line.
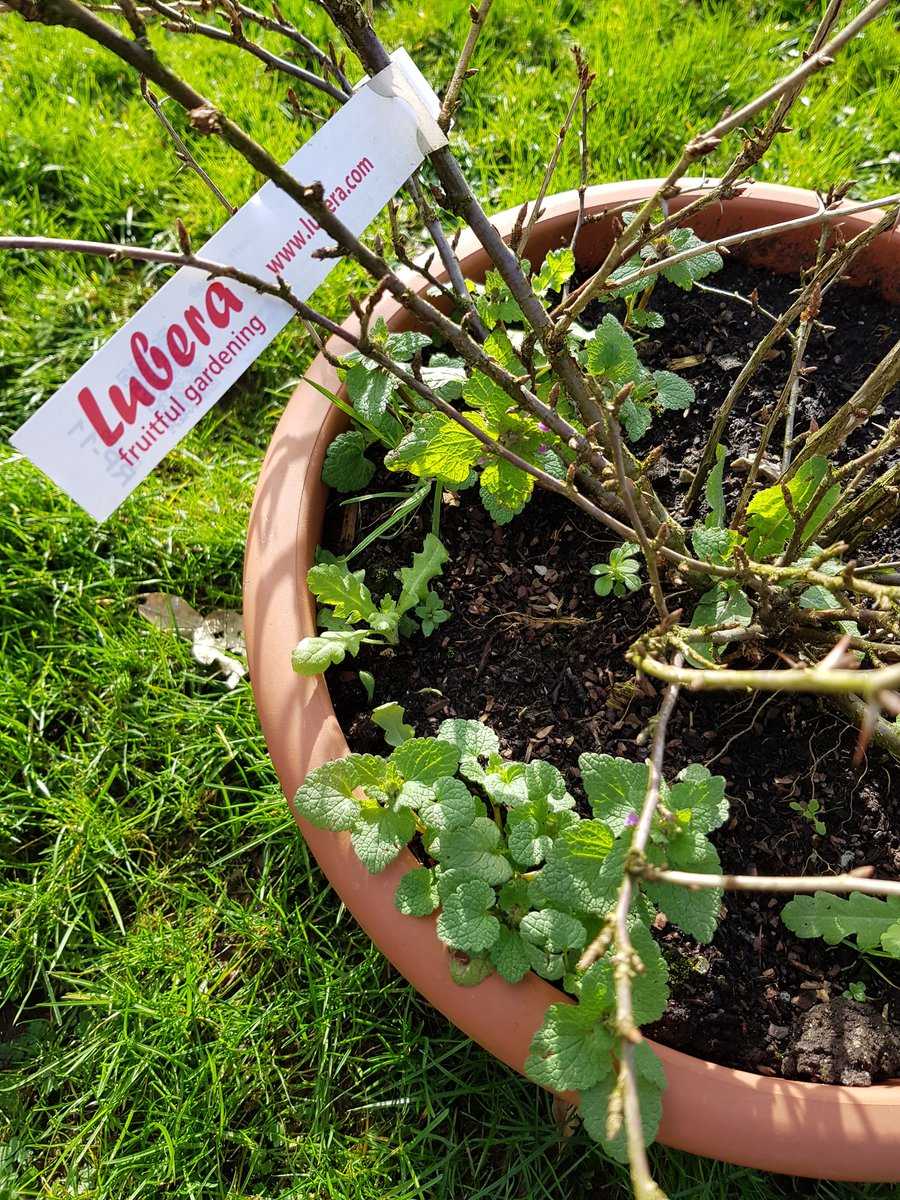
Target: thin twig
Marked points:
461	71
182	152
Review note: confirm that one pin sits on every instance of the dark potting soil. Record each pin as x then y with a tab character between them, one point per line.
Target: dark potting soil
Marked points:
531	650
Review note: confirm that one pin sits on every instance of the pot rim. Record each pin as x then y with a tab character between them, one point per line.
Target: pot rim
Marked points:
818	1130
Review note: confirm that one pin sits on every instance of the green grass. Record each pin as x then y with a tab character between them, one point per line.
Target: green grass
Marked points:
186	1009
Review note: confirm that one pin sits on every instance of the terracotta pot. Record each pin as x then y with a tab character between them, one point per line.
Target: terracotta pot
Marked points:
796	1128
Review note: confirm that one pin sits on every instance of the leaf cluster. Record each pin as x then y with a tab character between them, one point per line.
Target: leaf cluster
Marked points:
522	882
349	615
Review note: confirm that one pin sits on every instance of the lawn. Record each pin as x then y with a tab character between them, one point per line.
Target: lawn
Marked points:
186	1009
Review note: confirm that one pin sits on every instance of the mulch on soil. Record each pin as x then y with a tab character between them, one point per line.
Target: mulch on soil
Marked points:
531	650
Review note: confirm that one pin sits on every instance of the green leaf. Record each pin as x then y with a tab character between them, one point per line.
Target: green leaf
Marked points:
450	806
346	467
594	1105
466	971
696	912
628	268
890	940
313	655
672	391
611	352
442	448
506	484
499	346
503	781
367	679
649	987
865	918
645	318
557	269
326	799
417	894
425	759
379	834
703	794
445	376
570	1052
370	390
389	717
636	418
508	955
343	590
615	787
799	915
553	931
515	898
489	398
403	347
818	596
770	524
427	563
473	739
465	922
714	490
476	849
499	513
724	604
583	871
544	782
714	545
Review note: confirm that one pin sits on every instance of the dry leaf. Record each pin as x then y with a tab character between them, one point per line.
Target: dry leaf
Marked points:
211	637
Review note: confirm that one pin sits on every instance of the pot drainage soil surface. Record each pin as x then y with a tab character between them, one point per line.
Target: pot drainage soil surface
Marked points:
531	650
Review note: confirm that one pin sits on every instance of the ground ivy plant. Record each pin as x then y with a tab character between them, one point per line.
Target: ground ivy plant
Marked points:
521	881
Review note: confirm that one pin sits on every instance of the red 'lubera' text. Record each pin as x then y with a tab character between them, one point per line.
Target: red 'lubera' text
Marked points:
155	365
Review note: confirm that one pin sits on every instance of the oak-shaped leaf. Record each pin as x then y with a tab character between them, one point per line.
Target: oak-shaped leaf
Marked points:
868	919
314	655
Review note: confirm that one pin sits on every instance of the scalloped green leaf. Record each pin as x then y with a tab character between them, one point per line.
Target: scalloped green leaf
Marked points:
417	894
553	931
379	834
476	850
615	788
569	1052
465	922
425	759
611	352
450	806
346	467
672	391
473	739
508	955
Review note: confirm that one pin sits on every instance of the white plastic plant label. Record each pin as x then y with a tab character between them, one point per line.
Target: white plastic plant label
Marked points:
136	398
